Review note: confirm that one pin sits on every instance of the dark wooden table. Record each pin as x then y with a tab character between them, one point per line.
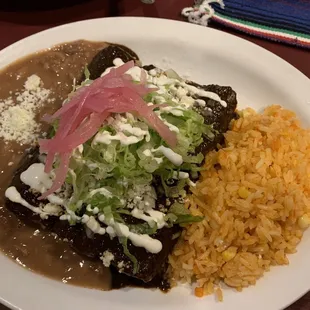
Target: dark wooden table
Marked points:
17	25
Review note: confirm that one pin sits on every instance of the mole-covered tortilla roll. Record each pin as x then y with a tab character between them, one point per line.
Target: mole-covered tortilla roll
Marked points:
113	219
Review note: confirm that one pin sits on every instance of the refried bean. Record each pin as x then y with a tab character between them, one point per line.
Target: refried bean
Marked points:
34	249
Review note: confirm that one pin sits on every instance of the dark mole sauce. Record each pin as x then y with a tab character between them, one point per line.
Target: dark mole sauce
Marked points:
36	250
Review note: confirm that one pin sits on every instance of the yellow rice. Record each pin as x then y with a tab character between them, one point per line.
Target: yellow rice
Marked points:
254	196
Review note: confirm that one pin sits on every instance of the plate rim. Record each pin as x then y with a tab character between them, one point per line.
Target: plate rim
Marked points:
266	52
142	18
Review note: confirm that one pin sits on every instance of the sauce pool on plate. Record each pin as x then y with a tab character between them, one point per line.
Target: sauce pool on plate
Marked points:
57	68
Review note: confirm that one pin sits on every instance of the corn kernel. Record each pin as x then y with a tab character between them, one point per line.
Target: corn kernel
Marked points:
304	221
229	254
199	291
243	192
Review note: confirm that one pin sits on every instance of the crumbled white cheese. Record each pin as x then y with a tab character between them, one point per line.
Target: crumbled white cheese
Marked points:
52	209
18	124
17	121
80	148
33	82
153	72
141	196
120	266
187	101
181	92
36	232
6	103
107	258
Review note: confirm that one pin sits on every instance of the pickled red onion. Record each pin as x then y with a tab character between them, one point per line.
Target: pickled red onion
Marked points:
85	112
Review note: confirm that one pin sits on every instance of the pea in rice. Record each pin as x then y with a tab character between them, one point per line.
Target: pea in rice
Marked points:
255	199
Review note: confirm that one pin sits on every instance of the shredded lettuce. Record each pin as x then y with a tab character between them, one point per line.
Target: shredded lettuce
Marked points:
176	235
187	218
124	242
120	169
144	228
53	129
178	214
86	73
178	208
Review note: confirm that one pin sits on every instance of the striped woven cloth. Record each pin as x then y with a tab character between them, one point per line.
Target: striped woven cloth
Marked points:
285	21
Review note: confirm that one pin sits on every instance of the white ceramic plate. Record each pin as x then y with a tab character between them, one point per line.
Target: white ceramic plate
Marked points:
207	56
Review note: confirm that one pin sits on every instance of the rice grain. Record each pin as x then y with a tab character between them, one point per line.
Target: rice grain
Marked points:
256	206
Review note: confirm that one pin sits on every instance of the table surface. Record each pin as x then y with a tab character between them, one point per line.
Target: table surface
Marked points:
17	25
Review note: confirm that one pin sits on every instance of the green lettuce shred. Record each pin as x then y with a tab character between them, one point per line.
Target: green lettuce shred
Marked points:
187	218
124	242
178	214
86	73
144	228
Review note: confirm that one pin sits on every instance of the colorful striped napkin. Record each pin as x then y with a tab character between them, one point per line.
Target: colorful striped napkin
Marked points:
285	21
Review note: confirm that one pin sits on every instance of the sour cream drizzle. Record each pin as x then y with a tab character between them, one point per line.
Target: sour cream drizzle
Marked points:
37	179
175	158
153	217
140	240
13	195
